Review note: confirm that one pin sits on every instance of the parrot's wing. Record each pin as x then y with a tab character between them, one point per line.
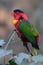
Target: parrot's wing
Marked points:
29	31
29	27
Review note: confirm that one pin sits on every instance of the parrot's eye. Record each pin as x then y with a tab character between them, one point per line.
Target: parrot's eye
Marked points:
21	17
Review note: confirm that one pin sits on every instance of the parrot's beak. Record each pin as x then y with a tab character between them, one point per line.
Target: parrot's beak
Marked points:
15	21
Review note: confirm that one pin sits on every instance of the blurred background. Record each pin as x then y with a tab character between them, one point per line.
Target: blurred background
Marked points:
34	11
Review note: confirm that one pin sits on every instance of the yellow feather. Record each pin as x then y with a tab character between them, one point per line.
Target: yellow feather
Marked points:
34	51
15	21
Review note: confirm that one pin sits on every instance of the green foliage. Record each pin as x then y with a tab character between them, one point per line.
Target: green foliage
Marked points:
12	62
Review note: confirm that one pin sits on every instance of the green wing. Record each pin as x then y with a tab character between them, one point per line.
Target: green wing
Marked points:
28	30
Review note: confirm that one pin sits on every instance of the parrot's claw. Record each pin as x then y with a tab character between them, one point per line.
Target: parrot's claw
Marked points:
31	54
14	29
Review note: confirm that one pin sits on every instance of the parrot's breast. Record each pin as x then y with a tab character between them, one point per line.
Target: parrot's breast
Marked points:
18	29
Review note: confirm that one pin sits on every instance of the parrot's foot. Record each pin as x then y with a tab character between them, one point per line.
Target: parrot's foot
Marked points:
32	54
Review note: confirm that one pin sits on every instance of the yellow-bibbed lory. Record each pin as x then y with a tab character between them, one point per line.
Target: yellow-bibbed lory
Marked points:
26	30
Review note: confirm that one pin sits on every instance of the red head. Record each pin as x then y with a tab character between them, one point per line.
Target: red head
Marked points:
19	14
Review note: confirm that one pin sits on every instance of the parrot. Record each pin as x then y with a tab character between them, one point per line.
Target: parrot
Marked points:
26	30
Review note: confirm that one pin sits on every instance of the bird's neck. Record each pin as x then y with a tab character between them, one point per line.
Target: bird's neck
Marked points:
17	22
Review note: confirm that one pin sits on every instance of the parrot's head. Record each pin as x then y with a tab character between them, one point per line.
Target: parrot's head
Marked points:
19	15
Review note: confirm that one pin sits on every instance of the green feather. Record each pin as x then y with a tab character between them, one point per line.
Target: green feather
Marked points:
29	30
